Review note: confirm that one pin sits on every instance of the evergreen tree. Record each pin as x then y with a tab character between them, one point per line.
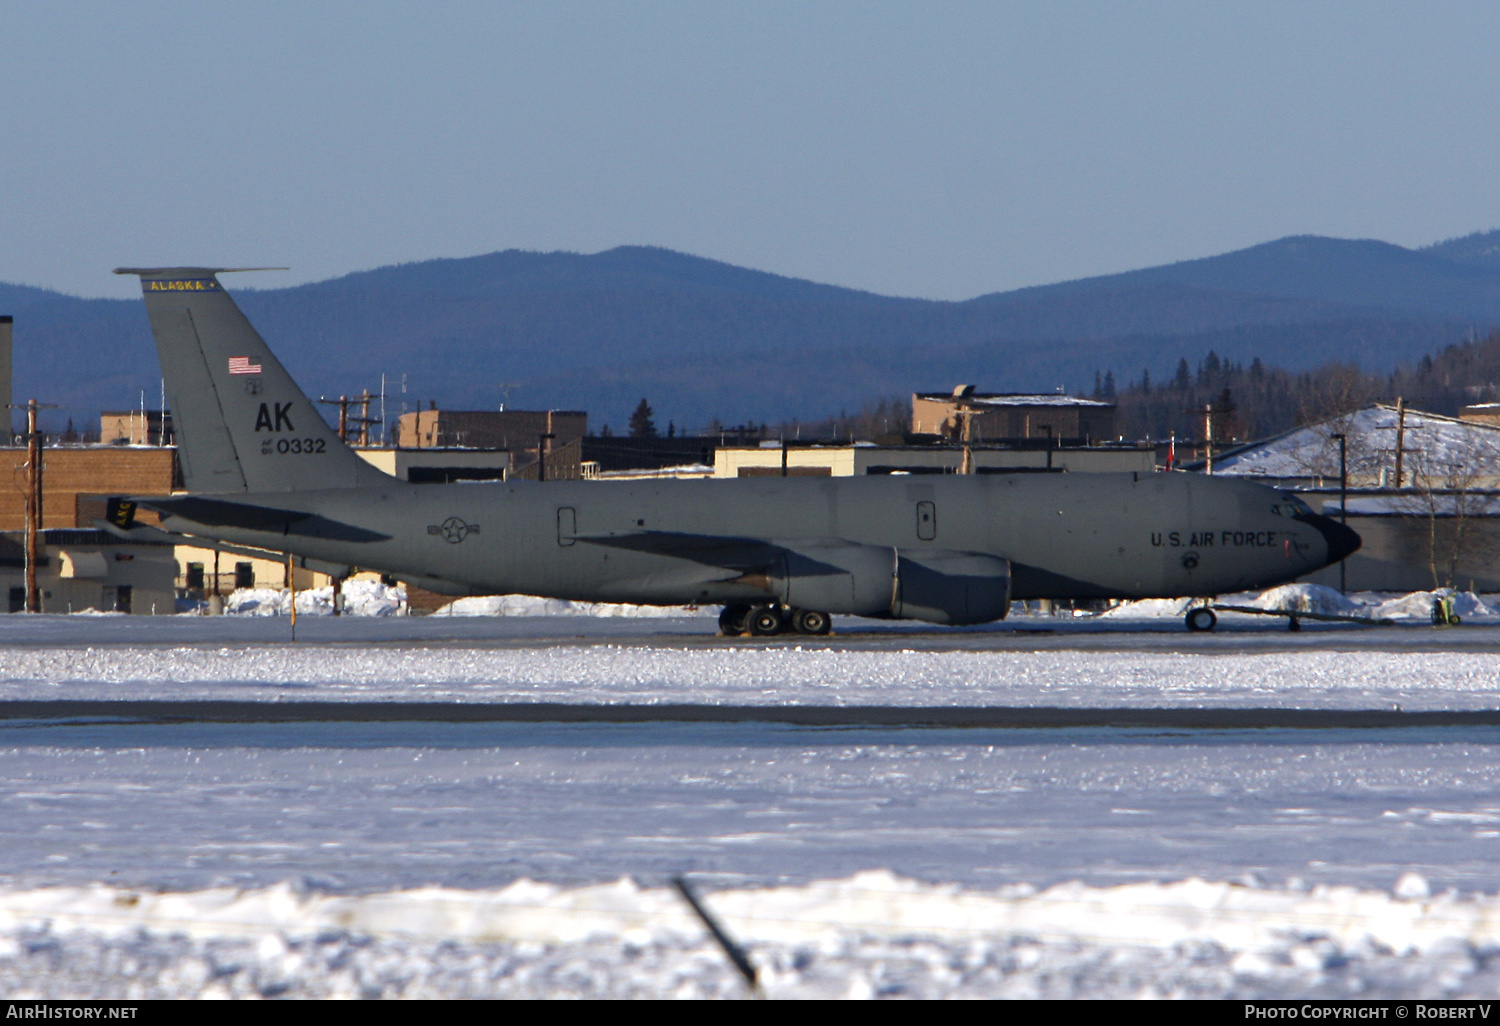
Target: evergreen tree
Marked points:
641	424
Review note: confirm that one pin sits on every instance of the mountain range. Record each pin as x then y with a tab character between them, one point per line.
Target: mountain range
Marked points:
707	340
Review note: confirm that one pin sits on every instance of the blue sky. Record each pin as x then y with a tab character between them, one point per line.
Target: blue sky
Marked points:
928	149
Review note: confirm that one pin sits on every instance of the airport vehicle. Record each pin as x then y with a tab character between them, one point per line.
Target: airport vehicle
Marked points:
263	469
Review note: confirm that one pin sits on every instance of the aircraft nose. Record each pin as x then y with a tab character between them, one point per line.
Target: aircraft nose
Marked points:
1342	541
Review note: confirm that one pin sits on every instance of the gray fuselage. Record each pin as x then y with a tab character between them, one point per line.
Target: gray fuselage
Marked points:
1075	536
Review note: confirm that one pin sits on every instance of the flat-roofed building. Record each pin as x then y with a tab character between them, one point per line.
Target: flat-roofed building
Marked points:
135	427
1481	413
440	465
515	430
526	434
769	459
89	569
1011	417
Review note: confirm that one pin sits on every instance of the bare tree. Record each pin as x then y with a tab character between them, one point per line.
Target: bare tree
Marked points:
1334	390
1448	490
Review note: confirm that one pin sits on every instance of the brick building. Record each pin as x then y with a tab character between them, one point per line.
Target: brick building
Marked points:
77	480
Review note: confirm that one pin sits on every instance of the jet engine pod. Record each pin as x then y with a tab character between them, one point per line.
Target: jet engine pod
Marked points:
954	588
835	576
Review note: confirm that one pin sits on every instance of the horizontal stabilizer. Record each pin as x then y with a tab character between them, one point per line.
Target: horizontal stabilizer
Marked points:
265	519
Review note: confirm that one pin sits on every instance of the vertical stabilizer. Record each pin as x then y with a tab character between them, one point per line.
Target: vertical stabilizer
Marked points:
242	423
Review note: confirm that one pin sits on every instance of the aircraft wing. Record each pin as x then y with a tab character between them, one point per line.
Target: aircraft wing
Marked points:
711	550
808	556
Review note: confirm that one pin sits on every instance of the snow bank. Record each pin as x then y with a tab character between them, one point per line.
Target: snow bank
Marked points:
1306	598
1418	605
1234	916
1318	598
1147	608
872	934
361	598
533	605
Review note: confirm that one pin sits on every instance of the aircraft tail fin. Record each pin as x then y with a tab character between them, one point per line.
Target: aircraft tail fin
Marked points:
242	423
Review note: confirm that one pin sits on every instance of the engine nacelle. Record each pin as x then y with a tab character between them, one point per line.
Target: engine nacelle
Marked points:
867	580
952	588
837	577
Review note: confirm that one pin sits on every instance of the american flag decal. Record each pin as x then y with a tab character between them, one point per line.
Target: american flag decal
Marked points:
242	365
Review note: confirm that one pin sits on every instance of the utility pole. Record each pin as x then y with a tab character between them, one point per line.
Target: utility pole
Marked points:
343	402
33	506
364	418
1400	437
33	500
1401	449
963	409
1343	441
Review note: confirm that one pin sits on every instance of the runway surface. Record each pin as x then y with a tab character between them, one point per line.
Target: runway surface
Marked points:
15	714
195	751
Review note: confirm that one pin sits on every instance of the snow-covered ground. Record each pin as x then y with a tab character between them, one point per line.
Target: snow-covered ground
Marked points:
870	935
611	672
456	859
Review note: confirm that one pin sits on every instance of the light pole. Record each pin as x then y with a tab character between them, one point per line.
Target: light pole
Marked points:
1343	441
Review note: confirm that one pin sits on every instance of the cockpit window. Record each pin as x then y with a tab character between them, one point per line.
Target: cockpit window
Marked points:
1291	506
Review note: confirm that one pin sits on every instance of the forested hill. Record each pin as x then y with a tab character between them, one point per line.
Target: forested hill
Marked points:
704	339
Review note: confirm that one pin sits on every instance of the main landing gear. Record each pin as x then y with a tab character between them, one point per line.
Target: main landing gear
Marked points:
764	621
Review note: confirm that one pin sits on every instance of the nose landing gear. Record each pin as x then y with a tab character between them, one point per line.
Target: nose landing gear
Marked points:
1201	619
764	621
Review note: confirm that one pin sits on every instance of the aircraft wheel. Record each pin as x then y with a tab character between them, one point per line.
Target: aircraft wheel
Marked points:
810	621
734	620
1201	619
765	621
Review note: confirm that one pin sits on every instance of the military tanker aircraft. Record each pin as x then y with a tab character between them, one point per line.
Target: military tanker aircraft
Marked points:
263	469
